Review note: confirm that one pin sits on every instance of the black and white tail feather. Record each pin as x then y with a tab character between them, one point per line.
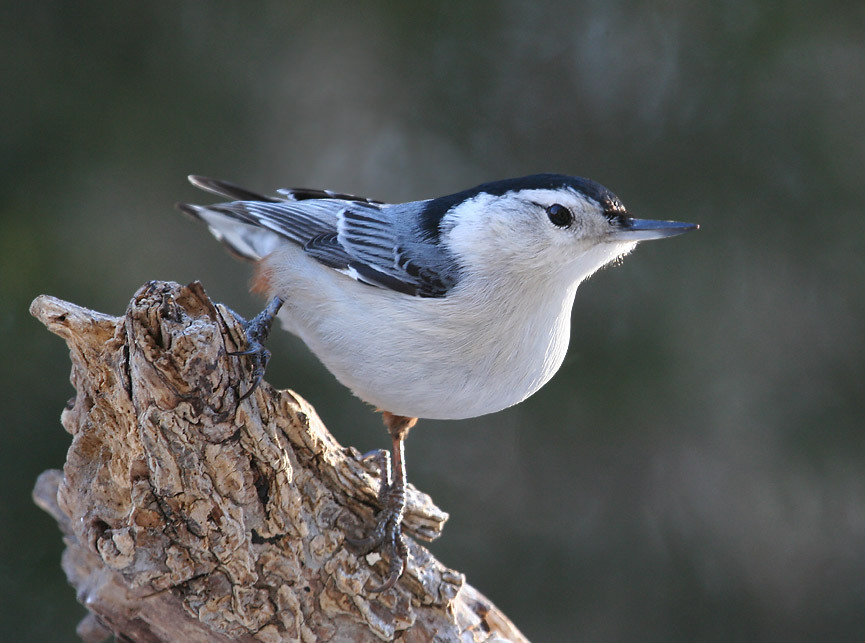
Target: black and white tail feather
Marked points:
368	240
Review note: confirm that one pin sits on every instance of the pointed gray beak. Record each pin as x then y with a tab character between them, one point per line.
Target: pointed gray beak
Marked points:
646	229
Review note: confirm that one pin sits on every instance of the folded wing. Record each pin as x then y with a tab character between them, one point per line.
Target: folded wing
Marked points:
367	240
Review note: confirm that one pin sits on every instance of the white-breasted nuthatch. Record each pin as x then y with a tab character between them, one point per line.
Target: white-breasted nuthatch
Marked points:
446	308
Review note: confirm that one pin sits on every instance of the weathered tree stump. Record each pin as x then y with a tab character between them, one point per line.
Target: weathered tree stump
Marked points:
188	517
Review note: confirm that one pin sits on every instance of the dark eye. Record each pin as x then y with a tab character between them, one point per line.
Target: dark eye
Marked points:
559	215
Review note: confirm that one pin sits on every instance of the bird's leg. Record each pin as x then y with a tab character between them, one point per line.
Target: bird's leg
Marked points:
387	534
257	329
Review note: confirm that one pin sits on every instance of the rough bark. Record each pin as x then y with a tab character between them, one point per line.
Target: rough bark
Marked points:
188	517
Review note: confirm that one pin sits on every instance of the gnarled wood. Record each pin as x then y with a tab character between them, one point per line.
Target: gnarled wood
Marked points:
188	517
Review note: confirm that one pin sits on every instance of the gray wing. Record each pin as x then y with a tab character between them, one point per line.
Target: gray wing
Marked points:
380	245
372	242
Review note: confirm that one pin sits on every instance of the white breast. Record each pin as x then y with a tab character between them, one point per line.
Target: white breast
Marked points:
446	358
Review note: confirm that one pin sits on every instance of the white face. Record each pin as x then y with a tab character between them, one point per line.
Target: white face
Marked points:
534	234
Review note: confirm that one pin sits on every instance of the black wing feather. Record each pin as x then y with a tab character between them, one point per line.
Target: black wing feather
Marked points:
353	235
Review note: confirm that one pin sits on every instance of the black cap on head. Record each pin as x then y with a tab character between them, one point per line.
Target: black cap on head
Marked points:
437	208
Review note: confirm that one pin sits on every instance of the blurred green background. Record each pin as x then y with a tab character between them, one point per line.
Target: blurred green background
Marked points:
695	472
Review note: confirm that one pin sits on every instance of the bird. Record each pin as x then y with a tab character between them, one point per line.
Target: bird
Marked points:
445	308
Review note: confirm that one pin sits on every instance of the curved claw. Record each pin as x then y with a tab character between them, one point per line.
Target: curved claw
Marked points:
395	570
248	351
257	329
366	545
260	357
387	536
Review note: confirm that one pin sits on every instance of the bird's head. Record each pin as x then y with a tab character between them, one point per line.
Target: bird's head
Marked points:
545	224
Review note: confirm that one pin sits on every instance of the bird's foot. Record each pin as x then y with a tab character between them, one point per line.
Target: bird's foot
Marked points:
257	329
386	537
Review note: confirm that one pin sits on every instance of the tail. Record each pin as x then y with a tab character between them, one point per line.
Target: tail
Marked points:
243	240
253	225
232	191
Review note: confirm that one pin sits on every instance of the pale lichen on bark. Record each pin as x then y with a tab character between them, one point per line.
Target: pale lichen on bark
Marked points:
189	517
